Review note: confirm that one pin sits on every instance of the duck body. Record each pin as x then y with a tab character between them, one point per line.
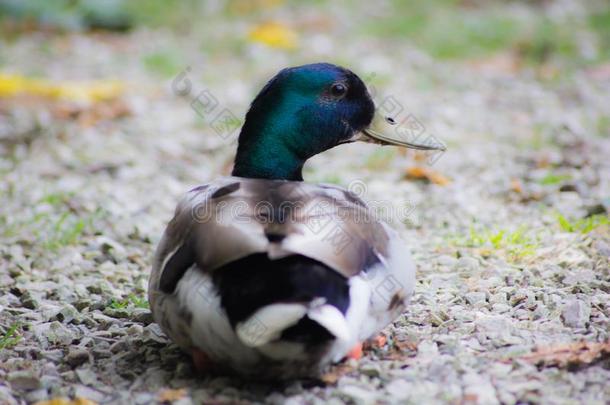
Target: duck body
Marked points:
276	278
267	276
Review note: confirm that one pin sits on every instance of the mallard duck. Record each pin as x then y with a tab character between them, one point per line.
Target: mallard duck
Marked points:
267	276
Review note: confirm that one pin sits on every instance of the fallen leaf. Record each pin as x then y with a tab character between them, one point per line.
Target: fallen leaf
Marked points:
66	401
502	63
171	395
516	186
88	116
335	373
14	85
422	173
275	35
402	350
568	354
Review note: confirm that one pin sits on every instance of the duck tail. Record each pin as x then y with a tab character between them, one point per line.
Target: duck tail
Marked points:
291	320
294	299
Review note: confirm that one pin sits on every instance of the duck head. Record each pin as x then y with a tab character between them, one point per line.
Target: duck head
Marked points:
304	111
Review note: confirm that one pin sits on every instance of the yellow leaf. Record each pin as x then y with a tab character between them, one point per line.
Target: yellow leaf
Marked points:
421	173
66	401
275	35
170	395
13	85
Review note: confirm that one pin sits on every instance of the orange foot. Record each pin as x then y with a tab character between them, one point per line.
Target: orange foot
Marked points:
201	361
356	352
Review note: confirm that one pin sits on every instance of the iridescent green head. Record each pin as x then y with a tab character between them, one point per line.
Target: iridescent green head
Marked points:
301	112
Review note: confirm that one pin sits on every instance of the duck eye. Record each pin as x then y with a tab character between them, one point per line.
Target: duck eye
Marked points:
338	89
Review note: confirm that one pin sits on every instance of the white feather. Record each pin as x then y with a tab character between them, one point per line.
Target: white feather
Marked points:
267	324
331	319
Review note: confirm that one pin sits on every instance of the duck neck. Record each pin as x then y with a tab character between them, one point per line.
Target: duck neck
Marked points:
266	159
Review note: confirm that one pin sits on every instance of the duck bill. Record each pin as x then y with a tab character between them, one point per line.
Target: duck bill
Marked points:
383	131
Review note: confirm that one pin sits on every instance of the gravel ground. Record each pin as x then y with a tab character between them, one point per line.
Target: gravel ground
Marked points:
511	236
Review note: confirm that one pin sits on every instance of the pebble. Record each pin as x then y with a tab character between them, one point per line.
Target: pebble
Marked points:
77	357
67	314
467	263
371	369
576	313
120	313
24	380
29	301
398	390
474	298
91	394
142	315
359	395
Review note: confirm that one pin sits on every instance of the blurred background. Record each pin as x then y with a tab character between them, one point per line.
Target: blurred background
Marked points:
102	102
110	110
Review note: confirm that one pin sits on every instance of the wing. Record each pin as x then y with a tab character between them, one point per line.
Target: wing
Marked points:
233	217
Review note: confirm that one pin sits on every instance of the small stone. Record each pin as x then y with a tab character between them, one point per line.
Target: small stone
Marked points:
76	357
358	395
499	298
53	355
602	248
500	308
135	330
480	387
99	353
120	313
446	260
37	395
86	376
399	389
88	393
82	304
67	313
28	301
370	369
52	332
142	315
119	346
153	332
111	247
475	297
576	313
467	263
24	380
6	397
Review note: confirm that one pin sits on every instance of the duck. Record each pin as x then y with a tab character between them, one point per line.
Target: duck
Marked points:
263	275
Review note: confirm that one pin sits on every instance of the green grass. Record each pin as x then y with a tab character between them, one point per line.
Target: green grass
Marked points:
68	229
11	337
553	179
447	29
600	24
583	225
516	244
163	63
131	300
58	226
603	126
